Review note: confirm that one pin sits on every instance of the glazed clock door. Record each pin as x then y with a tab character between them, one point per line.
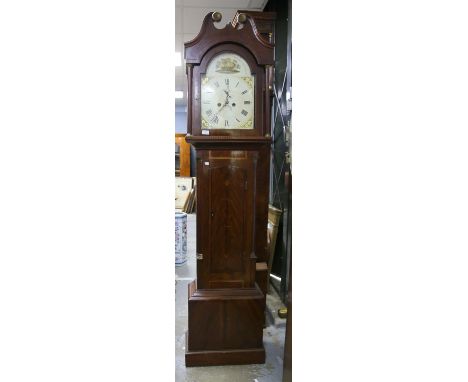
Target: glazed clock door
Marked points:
228	180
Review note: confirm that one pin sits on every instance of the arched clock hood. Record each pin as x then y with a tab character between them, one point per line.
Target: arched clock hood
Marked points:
241	31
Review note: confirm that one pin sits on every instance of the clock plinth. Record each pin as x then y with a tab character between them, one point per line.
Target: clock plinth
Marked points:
229	77
225	327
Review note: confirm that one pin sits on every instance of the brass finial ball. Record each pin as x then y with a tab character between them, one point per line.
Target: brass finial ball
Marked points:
216	16
242	18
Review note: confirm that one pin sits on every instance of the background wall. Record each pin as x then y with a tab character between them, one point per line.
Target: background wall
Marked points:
180	119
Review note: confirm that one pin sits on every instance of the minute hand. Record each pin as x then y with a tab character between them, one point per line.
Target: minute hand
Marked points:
225	102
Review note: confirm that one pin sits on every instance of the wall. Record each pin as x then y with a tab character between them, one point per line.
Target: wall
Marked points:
180	119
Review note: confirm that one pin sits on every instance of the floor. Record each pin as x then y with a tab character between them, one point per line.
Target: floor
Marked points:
273	334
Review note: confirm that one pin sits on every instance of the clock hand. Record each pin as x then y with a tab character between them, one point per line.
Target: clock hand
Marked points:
227	98
226	102
227	95
219	110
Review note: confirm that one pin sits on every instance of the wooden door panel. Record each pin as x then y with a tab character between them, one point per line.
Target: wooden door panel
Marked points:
231	220
227	219
228	196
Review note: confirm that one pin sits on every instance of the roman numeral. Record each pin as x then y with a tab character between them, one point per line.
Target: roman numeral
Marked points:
226	81
246	102
217	84
244	112
237	84
237	120
245	91
226	123
209	112
215	120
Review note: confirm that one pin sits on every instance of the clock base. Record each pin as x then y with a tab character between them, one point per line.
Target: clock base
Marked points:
223	357
225	326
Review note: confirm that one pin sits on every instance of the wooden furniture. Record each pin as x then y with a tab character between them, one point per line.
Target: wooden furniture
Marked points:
264	22
274	217
229	94
183	187
287	357
263	268
182	156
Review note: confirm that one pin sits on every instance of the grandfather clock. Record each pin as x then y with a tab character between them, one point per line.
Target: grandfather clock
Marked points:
229	73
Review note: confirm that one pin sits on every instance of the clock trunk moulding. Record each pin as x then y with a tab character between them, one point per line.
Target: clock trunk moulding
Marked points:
230	73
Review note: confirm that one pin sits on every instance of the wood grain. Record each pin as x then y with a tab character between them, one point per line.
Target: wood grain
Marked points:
225	304
221	322
184	154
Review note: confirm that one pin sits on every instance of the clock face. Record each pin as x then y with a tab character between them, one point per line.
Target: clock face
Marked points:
227	94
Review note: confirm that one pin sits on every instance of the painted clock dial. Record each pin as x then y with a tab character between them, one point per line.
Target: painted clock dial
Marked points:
227	94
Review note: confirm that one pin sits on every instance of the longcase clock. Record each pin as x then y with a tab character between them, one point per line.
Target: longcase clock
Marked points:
229	91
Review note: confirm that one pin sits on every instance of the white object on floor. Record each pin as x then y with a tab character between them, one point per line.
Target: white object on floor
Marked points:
180	238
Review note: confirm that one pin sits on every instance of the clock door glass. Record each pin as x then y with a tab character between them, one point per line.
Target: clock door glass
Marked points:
227	94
